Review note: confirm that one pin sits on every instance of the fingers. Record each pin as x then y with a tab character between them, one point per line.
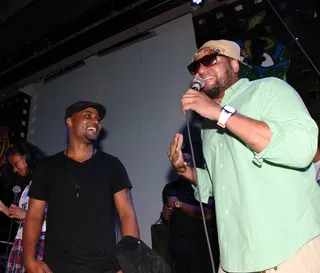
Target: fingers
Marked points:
192	92
175	147
46	268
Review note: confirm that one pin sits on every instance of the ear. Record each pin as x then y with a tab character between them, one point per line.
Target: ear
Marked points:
24	157
69	122
235	66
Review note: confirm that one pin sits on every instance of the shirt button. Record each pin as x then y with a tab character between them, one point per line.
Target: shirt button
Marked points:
223	188
221	166
227	211
221	145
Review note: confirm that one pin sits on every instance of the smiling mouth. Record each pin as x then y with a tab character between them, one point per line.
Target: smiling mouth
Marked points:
92	129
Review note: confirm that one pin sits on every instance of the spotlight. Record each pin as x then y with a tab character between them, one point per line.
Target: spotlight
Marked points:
197	2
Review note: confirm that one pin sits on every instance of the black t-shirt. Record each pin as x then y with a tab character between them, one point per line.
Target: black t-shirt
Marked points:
80	234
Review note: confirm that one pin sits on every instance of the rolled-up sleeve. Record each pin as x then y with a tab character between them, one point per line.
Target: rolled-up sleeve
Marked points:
294	133
204	186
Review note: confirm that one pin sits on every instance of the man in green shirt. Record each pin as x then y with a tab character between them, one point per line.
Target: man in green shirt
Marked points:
259	142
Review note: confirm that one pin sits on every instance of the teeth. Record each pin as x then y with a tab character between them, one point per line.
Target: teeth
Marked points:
92	128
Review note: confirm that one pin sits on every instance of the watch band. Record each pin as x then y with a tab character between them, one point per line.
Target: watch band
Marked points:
224	116
226	112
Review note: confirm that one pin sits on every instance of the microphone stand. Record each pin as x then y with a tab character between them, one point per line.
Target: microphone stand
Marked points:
8	243
16	190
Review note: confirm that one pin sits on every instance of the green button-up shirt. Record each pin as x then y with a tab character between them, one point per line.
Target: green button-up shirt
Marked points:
267	203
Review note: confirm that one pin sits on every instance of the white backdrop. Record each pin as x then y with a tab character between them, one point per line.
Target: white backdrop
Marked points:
140	86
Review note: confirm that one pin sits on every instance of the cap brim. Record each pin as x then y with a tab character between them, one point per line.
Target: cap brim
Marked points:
245	64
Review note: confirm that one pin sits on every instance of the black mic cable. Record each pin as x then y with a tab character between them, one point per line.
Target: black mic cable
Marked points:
198	84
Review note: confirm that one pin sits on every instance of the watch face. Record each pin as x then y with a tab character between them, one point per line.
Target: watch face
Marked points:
229	109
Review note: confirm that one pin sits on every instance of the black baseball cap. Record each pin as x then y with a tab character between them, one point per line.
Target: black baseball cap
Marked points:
81	105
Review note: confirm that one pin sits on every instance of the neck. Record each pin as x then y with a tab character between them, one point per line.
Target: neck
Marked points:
80	151
219	99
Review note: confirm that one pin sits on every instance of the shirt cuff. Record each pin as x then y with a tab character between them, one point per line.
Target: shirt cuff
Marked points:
204	186
276	138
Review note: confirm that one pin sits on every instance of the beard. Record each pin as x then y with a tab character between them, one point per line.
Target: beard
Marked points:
222	84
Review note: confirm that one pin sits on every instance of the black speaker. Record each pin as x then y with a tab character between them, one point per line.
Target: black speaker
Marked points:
160	236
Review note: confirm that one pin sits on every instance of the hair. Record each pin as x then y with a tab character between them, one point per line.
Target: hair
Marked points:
32	153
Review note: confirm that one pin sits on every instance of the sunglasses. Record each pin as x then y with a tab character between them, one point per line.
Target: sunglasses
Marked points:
207	61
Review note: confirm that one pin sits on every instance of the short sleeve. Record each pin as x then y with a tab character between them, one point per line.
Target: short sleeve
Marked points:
120	177
40	186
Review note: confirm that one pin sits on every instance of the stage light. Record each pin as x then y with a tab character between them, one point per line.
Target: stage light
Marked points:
198	2
238	8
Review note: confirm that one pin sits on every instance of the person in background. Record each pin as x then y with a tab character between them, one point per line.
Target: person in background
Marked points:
24	158
188	246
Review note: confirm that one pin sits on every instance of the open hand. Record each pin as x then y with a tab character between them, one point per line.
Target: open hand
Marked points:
175	154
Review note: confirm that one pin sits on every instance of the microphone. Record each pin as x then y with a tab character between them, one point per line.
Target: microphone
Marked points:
197	84
16	190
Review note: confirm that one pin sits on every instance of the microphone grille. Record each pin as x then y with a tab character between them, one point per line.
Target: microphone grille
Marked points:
199	81
16	189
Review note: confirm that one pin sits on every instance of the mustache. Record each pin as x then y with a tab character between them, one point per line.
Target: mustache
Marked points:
207	78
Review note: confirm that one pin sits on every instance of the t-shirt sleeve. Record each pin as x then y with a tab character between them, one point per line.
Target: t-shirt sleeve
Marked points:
165	193
40	186
121	179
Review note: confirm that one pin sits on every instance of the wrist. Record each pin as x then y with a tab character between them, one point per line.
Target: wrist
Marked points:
29	261
226	113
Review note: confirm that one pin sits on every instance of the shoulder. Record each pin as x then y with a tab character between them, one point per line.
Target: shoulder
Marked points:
272	89
105	156
172	186
51	160
272	83
111	161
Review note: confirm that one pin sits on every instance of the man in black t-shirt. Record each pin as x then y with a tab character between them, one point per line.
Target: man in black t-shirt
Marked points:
82	187
188	246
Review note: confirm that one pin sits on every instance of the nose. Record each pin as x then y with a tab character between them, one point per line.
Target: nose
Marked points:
95	120
202	69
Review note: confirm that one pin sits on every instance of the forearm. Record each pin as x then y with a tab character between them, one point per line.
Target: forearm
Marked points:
5	211
129	225
195	211
256	134
31	233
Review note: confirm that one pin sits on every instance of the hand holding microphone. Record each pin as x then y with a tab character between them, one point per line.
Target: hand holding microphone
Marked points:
199	101
16	212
